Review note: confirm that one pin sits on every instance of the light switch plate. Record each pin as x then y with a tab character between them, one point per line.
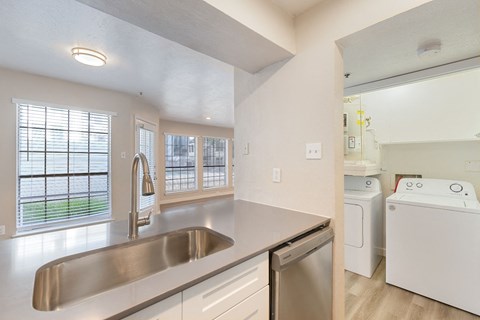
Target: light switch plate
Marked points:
314	151
277	175
246	149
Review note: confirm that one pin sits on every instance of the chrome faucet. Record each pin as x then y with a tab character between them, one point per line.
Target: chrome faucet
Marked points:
147	189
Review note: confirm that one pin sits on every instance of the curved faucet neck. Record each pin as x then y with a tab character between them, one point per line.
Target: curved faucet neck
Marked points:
133	221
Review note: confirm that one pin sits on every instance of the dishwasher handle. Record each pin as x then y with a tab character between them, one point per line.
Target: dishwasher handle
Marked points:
293	252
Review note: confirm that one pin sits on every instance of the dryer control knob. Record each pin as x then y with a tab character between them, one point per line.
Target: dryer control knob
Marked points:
419	185
456	187
409	184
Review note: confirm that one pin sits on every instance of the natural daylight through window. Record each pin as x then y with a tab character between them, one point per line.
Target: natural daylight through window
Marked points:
63	160
180	163
214	162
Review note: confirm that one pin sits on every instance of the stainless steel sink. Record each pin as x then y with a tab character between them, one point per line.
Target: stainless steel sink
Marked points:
70	279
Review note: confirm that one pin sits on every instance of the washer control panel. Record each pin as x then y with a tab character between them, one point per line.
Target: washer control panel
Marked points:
367	184
438	187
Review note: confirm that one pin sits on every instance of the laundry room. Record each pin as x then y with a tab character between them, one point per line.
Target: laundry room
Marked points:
412	180
411	129
425	129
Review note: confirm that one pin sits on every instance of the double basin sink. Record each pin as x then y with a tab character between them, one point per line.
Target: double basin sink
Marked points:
73	278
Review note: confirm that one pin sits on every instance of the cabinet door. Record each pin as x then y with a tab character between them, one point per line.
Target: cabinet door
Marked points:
168	309
212	297
255	307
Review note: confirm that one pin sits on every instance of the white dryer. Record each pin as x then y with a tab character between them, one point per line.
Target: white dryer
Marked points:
433	241
363	224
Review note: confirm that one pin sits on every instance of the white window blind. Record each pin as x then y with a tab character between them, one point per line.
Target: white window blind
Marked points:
146	145
214	162
63	161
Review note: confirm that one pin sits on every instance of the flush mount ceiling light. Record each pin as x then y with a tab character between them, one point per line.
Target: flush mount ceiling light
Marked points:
429	49
89	57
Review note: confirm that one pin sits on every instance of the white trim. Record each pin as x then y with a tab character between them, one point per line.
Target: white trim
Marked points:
182	134
60	106
19	234
197	196
139	121
415	76
216	137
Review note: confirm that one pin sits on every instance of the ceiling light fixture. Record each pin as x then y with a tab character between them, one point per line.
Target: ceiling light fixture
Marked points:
429	49
208	118
89	57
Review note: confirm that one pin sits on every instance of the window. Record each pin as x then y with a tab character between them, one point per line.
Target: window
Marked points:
63	161
233	162
214	162
146	145
180	163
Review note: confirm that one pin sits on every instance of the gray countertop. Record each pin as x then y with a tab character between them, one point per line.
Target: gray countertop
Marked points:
255	228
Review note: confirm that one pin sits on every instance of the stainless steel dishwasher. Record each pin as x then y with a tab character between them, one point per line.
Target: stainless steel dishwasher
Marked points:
301	278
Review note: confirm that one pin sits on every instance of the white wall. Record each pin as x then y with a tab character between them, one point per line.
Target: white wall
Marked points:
436	160
303	102
438	109
181	128
14	84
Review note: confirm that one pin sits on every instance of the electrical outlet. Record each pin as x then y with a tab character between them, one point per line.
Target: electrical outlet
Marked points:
2	230
351	142
472	165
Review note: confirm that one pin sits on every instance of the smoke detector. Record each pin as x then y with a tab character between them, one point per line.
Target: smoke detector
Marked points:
429	49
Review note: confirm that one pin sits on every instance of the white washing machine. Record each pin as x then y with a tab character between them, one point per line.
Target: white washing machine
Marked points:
363	224
433	241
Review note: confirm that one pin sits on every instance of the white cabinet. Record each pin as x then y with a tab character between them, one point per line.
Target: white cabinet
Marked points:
168	309
213	297
255	307
241	292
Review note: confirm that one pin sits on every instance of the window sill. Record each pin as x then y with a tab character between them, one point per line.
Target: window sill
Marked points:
170	198
215	188
181	192
59	228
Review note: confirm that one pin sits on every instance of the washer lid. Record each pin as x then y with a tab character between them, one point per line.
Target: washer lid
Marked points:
447	203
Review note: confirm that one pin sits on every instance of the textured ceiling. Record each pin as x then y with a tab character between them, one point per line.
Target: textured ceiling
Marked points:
184	85
200	26
389	48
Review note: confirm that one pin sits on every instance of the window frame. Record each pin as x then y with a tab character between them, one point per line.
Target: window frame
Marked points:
195	167
142	124
70	221
225	165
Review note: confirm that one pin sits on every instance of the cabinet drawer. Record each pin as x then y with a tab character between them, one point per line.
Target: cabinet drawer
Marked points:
168	309
255	307
212	297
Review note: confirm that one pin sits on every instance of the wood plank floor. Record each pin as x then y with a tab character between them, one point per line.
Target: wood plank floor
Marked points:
373	299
